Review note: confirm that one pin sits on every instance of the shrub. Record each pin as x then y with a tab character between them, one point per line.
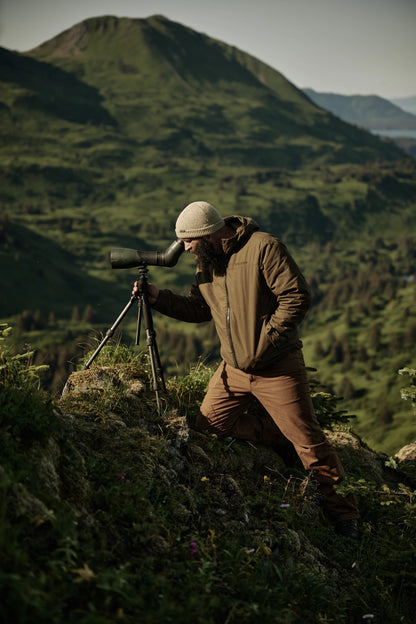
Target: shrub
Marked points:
26	411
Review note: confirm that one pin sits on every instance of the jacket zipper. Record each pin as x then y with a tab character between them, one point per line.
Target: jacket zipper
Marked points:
229	323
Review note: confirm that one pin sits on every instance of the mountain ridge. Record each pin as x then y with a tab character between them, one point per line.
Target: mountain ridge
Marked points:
383	117
370	111
407	104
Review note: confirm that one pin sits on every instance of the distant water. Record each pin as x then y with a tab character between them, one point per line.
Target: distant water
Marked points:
410	134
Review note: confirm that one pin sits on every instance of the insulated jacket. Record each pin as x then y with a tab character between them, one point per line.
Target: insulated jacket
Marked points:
256	305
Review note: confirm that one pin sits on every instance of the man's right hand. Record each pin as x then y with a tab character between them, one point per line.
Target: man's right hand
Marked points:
152	292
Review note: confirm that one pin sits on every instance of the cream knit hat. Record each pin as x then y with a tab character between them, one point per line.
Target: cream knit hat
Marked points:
198	219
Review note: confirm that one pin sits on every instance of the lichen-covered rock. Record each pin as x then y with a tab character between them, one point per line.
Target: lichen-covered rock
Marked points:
407	453
100	379
356	458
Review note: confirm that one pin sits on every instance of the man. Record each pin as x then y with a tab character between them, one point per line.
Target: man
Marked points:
247	282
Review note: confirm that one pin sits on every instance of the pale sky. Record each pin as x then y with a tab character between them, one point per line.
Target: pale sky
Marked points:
349	47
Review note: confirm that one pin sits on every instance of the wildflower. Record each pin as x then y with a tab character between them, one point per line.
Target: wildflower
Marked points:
266	479
193	547
122	477
204	479
284	505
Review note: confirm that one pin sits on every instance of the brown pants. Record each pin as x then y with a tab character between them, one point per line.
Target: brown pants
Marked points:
284	392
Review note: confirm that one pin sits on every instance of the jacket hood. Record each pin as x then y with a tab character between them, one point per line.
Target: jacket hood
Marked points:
244	228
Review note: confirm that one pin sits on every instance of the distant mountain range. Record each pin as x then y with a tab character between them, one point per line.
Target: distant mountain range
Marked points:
368	111
373	113
407	103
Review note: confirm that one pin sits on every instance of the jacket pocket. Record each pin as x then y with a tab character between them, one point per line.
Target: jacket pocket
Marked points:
265	342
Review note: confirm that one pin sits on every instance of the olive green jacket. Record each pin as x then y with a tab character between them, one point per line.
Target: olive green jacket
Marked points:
256	306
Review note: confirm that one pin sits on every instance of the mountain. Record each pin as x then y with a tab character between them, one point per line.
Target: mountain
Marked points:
368	111
114	124
170	88
407	103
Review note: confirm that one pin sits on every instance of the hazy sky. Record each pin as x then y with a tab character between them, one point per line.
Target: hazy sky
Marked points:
344	46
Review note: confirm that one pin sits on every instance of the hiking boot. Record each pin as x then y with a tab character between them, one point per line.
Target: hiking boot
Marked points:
347	528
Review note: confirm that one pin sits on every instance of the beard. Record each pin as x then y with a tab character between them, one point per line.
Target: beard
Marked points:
208	256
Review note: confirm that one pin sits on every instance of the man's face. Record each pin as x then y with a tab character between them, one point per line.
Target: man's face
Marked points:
201	247
208	252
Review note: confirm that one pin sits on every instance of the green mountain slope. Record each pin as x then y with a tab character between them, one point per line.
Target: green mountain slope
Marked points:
30	84
35	264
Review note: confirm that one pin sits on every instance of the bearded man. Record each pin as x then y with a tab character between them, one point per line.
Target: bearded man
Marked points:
248	283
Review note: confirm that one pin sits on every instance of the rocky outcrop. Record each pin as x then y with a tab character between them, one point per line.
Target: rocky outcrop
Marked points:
407	453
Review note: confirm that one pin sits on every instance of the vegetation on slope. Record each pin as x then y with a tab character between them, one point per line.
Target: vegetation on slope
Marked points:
112	513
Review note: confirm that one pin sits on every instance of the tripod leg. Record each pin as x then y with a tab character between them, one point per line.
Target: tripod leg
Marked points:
155	363
110	332
139	320
155	375
158	363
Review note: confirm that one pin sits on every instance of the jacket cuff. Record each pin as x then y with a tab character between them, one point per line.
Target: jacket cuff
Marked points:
273	335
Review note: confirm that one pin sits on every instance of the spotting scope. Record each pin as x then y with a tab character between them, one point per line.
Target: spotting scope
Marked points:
123	258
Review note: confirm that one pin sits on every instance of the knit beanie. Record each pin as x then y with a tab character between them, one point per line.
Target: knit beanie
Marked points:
198	219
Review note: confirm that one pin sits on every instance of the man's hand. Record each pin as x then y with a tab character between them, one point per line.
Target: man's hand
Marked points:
152	292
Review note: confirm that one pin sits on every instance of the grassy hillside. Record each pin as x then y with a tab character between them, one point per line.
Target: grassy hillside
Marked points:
112	127
113	513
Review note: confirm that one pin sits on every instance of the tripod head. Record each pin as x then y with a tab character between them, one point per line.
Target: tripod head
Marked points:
122	258
142	283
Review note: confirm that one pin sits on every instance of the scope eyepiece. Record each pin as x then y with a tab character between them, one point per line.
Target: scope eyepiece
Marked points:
123	258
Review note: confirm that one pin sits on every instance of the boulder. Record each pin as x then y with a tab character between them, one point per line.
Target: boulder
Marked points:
407	453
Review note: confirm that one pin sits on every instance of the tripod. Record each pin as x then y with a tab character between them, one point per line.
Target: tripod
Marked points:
145	311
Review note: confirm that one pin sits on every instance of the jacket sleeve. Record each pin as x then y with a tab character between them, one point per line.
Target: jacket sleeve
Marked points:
290	288
191	308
